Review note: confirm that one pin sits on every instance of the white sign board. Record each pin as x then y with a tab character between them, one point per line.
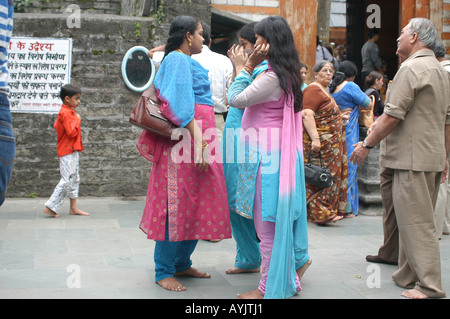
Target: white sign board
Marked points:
38	67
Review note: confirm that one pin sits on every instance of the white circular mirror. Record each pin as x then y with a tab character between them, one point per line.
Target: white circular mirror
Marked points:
138	70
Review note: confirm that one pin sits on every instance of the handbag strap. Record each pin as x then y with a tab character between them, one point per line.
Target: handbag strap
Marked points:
320	157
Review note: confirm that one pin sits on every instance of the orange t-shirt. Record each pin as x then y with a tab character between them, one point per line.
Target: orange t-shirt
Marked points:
68	131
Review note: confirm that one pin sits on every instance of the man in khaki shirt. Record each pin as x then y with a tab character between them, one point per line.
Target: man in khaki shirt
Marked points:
415	135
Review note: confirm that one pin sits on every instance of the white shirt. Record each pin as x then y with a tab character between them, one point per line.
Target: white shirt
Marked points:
220	71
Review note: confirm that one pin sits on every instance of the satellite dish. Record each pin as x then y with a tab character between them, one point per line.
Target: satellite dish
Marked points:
138	70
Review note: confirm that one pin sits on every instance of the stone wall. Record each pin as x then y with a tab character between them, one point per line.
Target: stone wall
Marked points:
87	6
110	164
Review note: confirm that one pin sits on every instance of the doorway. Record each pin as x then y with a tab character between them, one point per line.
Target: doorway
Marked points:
357	32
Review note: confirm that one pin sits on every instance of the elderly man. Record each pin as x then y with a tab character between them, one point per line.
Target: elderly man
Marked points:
415	135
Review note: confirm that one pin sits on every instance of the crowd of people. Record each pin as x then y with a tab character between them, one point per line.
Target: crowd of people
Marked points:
253	188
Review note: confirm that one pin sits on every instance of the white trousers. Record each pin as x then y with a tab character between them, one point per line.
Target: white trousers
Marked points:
220	124
69	184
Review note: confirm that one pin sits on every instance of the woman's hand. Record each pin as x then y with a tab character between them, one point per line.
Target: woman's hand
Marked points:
230	53
201	158
345	115
238	57
258	55
315	145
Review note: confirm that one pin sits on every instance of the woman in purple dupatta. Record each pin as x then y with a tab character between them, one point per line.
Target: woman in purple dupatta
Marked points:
271	186
186	198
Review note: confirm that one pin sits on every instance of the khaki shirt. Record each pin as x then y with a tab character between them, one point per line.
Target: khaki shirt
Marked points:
420	97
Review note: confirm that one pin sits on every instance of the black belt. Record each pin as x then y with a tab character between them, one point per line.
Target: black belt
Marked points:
224	114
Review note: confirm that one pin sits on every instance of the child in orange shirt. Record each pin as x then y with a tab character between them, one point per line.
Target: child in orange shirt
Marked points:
68	130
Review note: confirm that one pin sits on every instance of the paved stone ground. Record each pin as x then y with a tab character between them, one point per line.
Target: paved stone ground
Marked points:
40	256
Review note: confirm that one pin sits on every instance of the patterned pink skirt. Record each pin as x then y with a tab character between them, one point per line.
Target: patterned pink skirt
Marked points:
193	202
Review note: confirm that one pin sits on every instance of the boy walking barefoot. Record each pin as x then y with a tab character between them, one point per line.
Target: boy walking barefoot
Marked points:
69	144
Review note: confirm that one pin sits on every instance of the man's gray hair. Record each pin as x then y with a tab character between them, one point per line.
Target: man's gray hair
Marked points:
426	32
439	51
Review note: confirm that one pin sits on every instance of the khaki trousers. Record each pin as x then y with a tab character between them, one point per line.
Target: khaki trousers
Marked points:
389	250
414	197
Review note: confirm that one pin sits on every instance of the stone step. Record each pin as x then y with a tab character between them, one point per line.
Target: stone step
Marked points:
370	210
369	197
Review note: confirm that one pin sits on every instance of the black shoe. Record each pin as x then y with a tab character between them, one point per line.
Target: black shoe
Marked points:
376	259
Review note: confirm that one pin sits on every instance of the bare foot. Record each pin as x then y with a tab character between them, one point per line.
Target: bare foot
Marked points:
301	271
192	272
254	294
48	211
237	270
414	294
171	284
349	215
76	211
335	219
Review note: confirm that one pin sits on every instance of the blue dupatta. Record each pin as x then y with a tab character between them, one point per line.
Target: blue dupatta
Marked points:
177	89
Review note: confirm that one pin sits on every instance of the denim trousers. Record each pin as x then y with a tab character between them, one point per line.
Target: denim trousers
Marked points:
7	146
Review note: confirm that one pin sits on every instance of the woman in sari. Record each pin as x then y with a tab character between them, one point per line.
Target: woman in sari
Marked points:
324	133
349	97
186	198
248	258
271	184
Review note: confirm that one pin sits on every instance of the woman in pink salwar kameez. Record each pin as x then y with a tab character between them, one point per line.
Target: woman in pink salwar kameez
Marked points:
186	198
271	184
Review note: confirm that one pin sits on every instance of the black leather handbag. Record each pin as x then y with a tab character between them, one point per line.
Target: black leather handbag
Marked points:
317	176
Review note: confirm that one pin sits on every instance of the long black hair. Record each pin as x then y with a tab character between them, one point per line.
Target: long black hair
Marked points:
177	32
247	32
346	69
283	56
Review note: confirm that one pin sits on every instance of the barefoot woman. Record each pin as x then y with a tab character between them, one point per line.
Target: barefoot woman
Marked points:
271	185
186	199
